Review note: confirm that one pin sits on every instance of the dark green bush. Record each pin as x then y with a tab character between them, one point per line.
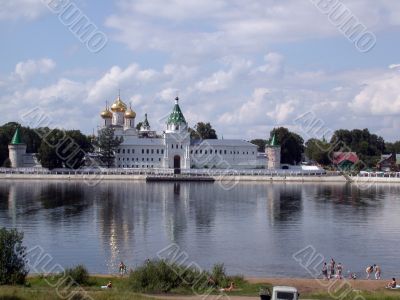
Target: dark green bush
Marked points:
77	276
13	268
161	277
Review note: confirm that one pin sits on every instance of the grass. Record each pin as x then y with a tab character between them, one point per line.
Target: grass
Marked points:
379	295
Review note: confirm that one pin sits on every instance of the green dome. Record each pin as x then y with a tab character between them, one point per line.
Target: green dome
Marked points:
176	116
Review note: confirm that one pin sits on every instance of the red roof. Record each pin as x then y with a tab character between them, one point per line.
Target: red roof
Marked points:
339	157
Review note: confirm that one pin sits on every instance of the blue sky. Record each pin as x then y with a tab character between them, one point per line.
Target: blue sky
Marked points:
244	66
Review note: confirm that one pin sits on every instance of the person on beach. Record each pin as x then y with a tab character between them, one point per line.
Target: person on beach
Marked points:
108	286
325	271
378	272
332	268
122	269
392	284
229	289
339	272
369	271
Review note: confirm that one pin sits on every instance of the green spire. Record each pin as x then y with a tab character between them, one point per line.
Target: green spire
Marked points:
176	116
146	122
273	142
16	140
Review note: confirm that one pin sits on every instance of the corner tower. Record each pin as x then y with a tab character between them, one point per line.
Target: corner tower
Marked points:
17	150
273	152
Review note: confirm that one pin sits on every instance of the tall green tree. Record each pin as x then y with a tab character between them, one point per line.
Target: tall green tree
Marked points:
368	147
203	131
64	149
392	147
13	268
260	143
318	150
108	144
291	143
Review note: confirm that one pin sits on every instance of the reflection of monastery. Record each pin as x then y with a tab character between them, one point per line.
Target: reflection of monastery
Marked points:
143	148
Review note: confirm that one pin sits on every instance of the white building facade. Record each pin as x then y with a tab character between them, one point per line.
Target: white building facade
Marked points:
173	149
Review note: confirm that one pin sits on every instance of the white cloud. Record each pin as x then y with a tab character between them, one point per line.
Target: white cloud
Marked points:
274	64
221	80
380	96
27	69
25	9
118	78
219	27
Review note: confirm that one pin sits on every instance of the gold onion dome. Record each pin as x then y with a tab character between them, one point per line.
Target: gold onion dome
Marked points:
119	105
106	114
130	114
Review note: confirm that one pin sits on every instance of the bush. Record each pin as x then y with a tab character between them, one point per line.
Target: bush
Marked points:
77	276
161	276
218	274
13	268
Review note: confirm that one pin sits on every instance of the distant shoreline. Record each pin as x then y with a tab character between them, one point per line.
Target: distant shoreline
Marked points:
92	178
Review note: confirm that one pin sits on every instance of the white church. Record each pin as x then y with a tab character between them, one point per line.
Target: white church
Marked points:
173	149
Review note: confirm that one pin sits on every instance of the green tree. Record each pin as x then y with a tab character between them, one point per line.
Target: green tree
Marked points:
318	150
203	131
64	149
47	155
139	125
392	147
260	143
13	268
368	147
291	143
108	143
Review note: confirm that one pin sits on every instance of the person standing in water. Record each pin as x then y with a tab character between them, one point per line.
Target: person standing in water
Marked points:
325	271
378	272
369	271
339	269
332	268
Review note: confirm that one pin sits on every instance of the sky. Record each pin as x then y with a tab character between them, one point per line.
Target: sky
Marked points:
244	66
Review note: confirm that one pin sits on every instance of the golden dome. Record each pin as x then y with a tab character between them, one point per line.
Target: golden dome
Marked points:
106	114
119	105
130	114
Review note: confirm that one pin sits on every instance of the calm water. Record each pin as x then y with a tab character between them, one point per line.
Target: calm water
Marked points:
254	228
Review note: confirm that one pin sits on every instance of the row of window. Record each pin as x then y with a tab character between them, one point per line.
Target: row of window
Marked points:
137	159
147	151
220	152
136	166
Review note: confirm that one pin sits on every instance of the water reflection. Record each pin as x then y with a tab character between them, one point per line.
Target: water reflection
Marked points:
284	202
253	228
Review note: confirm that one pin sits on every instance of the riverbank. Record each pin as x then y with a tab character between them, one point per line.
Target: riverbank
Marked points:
93	179
39	289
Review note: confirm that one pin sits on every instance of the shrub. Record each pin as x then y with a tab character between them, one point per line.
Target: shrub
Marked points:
13	268
77	276
162	276
219	276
